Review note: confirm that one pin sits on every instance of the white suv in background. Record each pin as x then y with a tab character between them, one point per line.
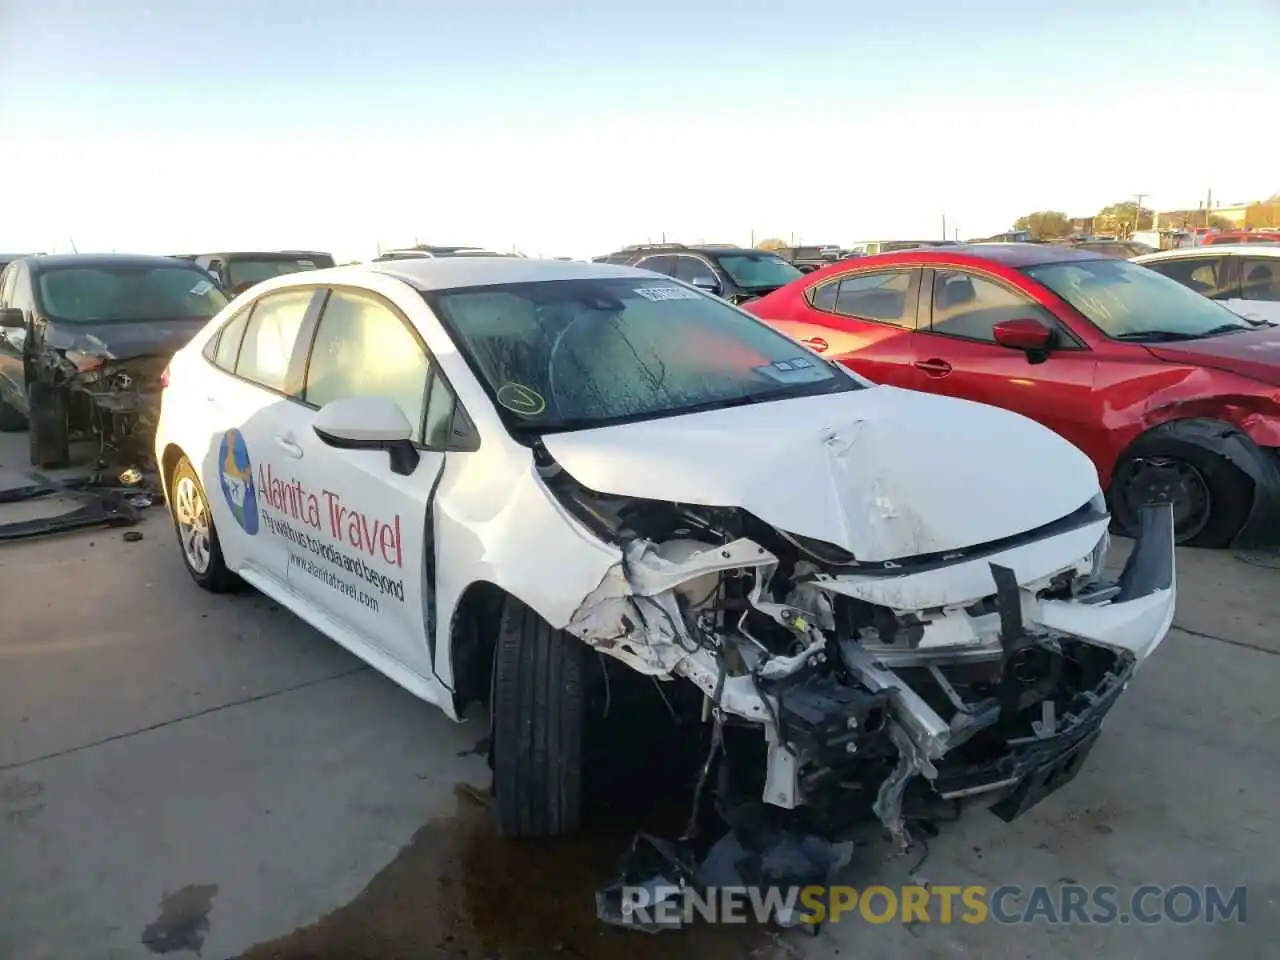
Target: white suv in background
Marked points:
1244	277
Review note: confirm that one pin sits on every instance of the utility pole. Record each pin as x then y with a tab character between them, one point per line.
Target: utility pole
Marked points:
944	226
1207	204
1137	211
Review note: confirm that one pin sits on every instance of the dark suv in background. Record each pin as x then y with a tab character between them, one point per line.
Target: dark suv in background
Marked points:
84	342
236	272
735	273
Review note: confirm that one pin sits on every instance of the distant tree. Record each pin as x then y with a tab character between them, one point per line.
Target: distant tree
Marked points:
1274	198
1118	218
1221	223
1044	224
773	243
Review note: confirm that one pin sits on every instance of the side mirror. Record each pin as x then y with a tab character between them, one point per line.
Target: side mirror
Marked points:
369	423
707	284
11	318
1028	335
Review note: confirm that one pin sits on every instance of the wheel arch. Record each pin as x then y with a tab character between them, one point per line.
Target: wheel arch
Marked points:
473	637
1259	465
168	463
1209	433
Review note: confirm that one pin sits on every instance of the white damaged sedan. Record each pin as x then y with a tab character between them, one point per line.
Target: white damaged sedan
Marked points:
489	478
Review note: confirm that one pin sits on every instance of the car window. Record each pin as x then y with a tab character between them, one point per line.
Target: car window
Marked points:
689	269
126	291
1128	301
889	297
575	354
758	272
227	351
663	265
6	284
966	305
270	335
1260	278
1204	275
243	272
438	423
363	348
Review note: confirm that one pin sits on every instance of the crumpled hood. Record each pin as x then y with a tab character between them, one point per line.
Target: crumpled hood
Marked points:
884	473
1252	353
124	341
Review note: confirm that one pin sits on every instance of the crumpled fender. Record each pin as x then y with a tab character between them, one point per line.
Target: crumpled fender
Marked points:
1259	464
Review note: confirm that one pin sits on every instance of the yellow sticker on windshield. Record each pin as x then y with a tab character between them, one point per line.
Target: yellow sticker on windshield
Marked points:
520	399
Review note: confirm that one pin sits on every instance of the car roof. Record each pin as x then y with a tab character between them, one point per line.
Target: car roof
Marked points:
1007	254
1212	250
55	260
445	273
266	254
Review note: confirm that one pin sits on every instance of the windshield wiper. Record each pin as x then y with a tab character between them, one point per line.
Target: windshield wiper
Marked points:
1226	328
1156	335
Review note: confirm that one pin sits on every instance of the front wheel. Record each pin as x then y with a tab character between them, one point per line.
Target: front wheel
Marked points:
1211	498
538	710
48	432
197	538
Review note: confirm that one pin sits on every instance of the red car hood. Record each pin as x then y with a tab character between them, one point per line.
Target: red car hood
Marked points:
1254	353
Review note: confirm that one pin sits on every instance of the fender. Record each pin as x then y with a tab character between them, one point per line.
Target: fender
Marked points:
1259	464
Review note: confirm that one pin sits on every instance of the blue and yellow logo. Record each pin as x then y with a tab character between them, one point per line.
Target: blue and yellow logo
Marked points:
235	473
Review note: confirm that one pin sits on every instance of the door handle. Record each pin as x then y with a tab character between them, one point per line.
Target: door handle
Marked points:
817	343
289	447
934	367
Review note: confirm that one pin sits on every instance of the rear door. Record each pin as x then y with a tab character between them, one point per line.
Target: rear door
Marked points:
958	355
249	466
865	319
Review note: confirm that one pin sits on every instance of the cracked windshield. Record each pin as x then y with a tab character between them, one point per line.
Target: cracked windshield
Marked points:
693	480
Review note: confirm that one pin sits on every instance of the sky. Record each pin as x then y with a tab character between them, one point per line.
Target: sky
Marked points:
569	129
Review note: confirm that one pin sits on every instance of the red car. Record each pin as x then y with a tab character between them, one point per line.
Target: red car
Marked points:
1173	396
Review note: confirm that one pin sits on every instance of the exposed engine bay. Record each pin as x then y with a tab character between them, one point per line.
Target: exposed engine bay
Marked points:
982	671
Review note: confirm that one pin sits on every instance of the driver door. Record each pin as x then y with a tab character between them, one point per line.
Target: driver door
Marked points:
957	356
365	534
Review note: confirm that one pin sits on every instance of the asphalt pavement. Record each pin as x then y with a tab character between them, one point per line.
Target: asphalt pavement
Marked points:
190	775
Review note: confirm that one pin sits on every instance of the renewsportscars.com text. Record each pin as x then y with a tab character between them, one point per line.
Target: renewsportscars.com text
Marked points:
387	586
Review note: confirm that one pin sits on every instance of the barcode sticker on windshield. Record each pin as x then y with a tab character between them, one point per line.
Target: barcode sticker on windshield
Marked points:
667	293
309	264
201	288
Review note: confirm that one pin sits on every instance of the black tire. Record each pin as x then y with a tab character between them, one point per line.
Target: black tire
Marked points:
48	432
12	419
538	725
1228	490
216	578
